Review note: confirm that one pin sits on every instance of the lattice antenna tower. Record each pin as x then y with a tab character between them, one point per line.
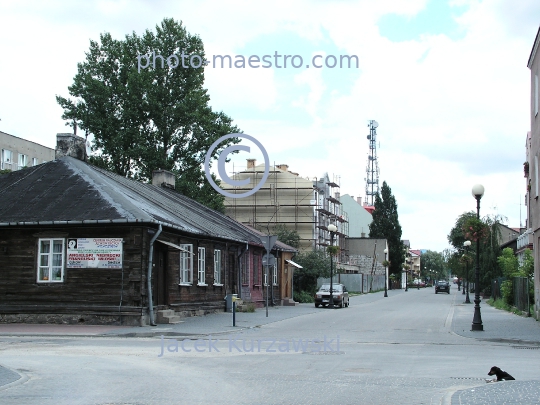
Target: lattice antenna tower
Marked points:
372	169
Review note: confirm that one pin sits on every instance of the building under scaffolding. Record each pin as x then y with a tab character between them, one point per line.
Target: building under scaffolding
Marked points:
305	205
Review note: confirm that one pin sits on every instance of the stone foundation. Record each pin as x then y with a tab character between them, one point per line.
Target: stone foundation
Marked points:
71	319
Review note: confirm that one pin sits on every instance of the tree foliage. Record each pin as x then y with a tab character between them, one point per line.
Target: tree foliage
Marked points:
315	264
489	244
508	263
288	236
432	264
386	225
147	119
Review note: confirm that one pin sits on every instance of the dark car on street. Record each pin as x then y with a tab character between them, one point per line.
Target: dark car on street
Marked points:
339	291
442	286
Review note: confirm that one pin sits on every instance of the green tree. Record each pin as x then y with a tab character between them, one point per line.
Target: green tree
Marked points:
287	236
508	262
489	243
432	264
527	267
314	264
144	119
386	225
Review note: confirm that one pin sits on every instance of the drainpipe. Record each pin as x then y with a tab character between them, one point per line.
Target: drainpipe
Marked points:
149	276
239	275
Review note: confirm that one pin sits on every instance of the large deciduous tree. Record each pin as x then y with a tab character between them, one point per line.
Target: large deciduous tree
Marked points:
432	264
386	225
157	117
489	241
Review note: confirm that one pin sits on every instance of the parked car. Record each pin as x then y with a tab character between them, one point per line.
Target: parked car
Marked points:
441	286
339	292
418	282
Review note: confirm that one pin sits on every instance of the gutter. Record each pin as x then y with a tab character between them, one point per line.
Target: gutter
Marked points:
149	276
117	221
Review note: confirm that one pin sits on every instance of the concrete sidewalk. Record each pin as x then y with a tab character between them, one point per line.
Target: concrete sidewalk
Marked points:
499	325
212	324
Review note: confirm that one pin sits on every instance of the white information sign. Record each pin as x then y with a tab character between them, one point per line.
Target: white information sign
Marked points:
100	253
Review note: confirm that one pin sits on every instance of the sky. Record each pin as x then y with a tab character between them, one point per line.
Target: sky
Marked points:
447	81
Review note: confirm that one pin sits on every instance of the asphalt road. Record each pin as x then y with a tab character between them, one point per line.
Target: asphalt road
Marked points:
404	349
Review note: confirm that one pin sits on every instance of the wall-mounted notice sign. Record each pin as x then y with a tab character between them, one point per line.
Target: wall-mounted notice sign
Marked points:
101	253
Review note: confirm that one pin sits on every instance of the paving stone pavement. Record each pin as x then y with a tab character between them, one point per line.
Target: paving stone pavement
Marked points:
499	326
501	393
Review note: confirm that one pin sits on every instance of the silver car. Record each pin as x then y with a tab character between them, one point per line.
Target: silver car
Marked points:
340	295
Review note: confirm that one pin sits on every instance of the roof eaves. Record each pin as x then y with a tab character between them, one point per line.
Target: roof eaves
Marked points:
534	49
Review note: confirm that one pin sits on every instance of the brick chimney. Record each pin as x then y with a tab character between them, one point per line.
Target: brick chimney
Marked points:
164	178
70	145
251	163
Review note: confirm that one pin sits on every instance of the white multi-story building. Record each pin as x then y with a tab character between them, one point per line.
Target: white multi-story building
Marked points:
17	153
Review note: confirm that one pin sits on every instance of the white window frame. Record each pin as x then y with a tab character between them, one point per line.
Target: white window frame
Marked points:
201	266
35	161
217	267
6	162
46	263
274	275
186	264
22	161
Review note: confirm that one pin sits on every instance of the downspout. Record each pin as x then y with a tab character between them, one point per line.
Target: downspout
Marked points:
149	276
239	275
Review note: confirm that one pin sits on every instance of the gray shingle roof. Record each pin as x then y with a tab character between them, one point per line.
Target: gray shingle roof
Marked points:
70	190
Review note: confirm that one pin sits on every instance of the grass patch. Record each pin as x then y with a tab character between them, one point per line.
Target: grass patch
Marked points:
502	305
248	307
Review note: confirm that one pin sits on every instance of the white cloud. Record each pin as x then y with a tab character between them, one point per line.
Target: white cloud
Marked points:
452	112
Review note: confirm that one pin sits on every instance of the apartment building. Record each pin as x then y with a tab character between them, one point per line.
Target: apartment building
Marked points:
17	153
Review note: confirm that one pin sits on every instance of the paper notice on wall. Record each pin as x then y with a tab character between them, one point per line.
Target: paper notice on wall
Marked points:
100	253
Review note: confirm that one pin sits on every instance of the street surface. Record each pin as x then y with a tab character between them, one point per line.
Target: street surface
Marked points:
413	347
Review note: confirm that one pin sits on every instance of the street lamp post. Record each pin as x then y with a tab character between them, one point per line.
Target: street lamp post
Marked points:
477	192
386	272
467	243
332	228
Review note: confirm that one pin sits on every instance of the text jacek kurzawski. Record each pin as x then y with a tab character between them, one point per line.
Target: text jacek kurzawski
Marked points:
241	345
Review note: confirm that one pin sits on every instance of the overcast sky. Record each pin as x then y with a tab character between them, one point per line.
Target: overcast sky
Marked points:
447	82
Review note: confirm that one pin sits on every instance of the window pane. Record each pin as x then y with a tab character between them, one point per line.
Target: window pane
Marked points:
57	246
45	246
57	260
43	273
57	273
44	260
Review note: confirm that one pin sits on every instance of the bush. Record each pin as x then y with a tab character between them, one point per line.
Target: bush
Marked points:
303	297
507	292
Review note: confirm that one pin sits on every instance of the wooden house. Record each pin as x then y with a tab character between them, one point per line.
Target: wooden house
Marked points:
81	244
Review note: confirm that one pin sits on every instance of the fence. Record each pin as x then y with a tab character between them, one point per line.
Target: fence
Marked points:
356	282
521	293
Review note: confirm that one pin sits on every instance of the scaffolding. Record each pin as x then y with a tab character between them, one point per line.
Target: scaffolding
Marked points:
305	205
372	169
